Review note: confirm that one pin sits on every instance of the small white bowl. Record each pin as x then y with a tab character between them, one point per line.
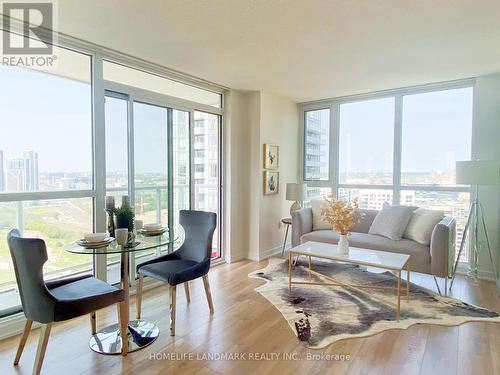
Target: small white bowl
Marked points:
95	237
154	226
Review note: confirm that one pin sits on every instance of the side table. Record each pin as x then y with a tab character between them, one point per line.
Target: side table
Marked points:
287	222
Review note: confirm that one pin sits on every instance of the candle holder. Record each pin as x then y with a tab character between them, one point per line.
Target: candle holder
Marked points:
111	222
110	209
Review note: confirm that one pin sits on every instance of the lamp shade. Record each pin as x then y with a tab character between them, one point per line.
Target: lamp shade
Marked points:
295	192
478	172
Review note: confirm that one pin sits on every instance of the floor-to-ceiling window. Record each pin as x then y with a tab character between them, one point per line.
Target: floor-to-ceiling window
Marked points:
206	166
86	128
317	149
366	151
46	166
175	151
399	147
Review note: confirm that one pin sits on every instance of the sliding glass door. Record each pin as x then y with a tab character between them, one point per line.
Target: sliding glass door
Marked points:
166	159
206	165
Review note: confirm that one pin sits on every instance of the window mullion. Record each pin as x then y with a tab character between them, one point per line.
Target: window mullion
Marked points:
99	158
334	148
191	161
398	136
131	176
170	172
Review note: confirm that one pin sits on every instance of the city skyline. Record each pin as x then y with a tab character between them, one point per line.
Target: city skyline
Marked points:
20	174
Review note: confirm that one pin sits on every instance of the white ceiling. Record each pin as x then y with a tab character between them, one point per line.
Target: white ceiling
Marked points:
300	49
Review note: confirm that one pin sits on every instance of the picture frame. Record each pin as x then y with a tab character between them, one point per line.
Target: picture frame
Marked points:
271	182
271	156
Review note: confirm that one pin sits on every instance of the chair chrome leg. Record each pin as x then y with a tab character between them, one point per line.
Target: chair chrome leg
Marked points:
22	342
42	346
172	309
437	285
446	286
138	295
93	323
206	284
186	290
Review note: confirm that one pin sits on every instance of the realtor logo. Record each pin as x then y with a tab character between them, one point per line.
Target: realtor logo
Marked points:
35	17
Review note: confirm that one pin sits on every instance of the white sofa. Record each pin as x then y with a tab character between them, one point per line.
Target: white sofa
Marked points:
435	259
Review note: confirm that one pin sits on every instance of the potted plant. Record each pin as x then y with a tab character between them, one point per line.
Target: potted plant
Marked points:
342	216
125	218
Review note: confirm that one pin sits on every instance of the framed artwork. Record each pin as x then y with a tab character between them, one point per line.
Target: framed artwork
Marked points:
271	182
271	156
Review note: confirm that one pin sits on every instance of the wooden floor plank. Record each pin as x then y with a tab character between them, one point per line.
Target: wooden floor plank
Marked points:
245	322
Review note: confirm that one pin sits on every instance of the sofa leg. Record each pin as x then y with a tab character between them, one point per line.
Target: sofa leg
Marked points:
437	285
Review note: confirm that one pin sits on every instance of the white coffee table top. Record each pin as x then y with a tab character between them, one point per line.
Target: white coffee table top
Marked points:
366	257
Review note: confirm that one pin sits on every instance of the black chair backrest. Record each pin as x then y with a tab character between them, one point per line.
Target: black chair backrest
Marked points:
199	227
28	256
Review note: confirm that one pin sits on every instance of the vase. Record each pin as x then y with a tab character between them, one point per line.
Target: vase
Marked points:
343	245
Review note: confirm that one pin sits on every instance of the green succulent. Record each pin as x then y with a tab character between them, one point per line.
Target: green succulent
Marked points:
127	213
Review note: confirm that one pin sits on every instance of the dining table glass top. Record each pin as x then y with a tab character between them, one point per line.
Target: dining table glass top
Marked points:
142	242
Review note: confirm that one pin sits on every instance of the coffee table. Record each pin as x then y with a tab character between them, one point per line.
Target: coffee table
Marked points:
395	262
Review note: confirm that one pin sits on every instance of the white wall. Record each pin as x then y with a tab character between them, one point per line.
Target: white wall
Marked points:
280	126
486	145
255	118
237	166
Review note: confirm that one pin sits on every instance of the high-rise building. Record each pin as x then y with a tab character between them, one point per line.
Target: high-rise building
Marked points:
31	170
2	175
15	175
316	146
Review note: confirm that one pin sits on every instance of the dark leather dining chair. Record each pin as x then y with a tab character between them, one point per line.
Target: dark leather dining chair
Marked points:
189	262
58	300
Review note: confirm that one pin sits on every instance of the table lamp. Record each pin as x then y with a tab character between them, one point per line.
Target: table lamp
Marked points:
475	173
295	192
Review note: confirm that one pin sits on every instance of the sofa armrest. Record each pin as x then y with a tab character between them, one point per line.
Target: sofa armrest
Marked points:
443	247
302	223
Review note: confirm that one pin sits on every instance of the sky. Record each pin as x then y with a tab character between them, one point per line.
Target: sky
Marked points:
52	116
436	132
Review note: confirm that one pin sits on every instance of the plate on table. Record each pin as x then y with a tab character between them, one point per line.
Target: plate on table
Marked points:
94	245
153	232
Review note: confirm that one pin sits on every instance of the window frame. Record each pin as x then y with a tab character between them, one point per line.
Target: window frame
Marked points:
99	89
334	158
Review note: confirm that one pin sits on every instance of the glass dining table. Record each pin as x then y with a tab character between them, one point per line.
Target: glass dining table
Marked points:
141	333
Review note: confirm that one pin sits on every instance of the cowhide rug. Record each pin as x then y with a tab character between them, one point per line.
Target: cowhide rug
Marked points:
321	315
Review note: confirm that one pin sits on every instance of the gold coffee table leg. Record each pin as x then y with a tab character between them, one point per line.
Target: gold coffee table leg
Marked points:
399	294
408	281
289	271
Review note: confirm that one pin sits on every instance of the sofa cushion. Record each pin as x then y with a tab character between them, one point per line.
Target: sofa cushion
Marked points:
420	258
366	221
391	222
421	225
318	223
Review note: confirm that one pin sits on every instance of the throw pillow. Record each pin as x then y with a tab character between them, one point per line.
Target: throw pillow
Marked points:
318	223
391	222
421	225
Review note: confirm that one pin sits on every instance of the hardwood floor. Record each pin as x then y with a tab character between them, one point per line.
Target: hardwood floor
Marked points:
244	322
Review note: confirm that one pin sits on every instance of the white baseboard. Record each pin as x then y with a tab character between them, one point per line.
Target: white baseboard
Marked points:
253	255
270	252
275	251
235	257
